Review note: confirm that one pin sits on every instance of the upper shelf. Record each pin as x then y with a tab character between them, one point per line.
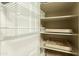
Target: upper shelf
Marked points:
58	33
58	17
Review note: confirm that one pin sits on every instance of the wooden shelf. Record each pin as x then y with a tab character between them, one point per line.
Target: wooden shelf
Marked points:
58	17
58	33
59	50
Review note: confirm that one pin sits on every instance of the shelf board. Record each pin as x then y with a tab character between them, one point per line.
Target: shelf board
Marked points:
55	49
58	17
57	33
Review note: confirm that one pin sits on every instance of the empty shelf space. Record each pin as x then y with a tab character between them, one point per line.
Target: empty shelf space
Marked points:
58	33
58	17
59	50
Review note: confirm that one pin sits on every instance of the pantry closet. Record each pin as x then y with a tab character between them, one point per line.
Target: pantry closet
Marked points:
59	29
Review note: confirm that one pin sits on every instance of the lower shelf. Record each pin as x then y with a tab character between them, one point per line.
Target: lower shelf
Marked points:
59	50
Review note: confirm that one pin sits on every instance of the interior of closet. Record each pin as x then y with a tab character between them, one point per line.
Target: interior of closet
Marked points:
59	29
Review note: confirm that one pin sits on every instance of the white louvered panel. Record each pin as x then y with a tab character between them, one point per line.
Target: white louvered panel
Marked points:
22	46
18	27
